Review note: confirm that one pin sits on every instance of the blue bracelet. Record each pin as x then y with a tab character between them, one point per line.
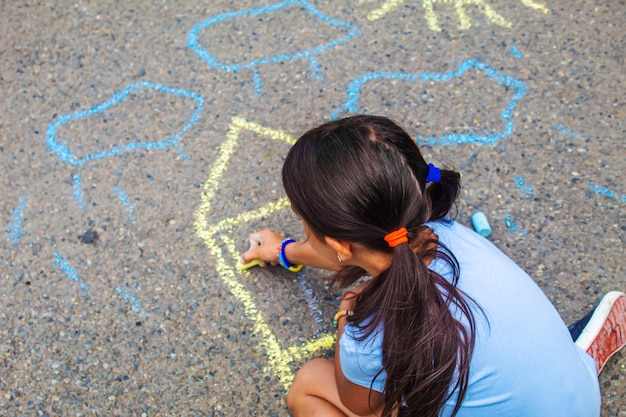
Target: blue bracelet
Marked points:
282	258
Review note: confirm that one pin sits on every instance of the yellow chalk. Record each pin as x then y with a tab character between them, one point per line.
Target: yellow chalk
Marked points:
280	359
243	267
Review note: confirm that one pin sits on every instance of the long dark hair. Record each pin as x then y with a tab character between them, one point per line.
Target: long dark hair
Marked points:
357	179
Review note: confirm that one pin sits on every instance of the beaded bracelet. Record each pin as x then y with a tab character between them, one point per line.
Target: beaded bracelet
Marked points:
339	315
282	258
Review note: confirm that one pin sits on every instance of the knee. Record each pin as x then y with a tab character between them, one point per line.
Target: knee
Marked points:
299	389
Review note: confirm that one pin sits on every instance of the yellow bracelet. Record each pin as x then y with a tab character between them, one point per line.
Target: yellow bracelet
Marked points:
340	314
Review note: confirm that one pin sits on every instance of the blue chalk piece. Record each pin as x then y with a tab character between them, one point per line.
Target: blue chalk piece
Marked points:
481	224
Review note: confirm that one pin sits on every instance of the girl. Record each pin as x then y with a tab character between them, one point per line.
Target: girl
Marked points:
447	325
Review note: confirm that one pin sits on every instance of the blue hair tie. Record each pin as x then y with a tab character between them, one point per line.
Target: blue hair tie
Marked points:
434	174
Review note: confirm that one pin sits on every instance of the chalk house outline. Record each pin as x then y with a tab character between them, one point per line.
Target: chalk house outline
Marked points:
353	93
278	358
212	61
65	153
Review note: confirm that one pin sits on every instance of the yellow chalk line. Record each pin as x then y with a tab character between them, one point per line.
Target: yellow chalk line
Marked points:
315	345
278	358
252	215
459	5
535	6
278	362
297	352
387	7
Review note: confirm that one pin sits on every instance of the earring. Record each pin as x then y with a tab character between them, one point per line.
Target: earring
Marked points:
339	258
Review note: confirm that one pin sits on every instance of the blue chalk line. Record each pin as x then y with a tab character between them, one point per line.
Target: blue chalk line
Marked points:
515	52
513	226
605	192
310	298
563	129
124	200
213	62
129	297
353	92
15	229
64	152
258	83
527	190
78	190
70	272
316	68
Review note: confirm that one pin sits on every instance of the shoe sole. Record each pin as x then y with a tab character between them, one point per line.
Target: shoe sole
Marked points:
605	334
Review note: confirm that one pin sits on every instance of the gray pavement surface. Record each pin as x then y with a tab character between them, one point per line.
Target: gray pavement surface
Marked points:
141	141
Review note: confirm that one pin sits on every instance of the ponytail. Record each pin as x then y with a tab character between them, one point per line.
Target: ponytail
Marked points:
426	350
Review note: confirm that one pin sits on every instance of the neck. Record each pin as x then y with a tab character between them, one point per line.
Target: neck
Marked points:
375	262
372	261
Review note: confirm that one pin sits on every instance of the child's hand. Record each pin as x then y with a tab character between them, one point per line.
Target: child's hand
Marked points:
263	246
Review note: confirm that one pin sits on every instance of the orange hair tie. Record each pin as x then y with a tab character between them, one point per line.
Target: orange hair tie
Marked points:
397	237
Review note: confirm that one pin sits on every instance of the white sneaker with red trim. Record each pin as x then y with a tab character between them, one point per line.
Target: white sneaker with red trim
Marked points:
605	333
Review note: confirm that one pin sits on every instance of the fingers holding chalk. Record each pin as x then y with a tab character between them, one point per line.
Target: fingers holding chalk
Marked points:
252	263
255	241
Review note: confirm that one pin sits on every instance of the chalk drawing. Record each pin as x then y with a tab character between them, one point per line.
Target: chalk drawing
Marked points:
563	129
258	83
129	297
65	153
70	272
278	358
78	190
605	192
311	298
124	200
526	190
517	54
459	6
15	229
353	93
309	54
514	227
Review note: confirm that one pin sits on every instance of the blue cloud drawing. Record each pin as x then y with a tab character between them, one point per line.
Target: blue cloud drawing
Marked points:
63	150
353	92
194	44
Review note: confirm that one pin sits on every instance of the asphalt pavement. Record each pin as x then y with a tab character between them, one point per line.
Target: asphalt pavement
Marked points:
141	142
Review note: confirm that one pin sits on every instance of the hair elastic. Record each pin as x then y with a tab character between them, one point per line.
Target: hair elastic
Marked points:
434	174
397	237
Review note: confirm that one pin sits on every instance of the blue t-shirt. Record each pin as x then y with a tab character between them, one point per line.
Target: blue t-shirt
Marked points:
524	362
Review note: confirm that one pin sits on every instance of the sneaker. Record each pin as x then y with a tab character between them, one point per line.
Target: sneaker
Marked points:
605	332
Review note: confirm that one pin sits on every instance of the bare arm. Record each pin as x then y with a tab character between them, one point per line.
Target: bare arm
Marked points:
358	399
263	245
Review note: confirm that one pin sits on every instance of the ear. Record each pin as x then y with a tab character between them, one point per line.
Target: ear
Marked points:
342	247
